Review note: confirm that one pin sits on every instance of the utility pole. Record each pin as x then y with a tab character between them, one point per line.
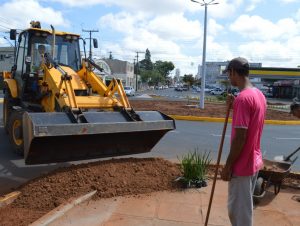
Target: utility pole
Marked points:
134	72
90	31
110	55
137	68
203	71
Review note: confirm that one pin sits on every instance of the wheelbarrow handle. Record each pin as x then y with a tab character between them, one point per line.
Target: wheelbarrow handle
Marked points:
289	156
294	160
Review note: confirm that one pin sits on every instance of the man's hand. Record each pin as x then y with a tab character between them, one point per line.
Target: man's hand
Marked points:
230	99
226	173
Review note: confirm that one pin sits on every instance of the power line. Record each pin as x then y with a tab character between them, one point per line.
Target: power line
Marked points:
90	31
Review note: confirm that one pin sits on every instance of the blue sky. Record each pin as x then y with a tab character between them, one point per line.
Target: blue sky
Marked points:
266	31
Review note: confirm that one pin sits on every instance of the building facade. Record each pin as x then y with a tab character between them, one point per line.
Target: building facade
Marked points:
6	58
215	69
122	70
6	61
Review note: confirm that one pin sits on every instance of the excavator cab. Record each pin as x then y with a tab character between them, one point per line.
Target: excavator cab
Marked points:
56	109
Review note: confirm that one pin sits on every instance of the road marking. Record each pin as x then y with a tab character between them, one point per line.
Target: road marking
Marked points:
174	131
218	135
287	138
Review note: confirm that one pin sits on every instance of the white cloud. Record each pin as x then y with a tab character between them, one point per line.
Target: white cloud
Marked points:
20	12
298	14
225	8
123	22
252	5
147	6
258	28
273	53
175	27
213	28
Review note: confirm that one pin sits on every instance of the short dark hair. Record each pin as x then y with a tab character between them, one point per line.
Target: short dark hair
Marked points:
240	65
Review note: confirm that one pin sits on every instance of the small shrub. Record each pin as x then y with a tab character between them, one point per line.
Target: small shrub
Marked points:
195	166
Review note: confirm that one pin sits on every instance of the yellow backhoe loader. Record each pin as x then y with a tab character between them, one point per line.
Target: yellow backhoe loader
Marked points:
56	109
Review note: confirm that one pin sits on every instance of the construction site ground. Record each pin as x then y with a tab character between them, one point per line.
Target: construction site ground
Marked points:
132	191
191	108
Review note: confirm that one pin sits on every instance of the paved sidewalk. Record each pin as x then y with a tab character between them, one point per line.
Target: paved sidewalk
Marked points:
185	208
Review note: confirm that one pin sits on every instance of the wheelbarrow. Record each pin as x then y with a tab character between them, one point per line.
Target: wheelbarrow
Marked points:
273	173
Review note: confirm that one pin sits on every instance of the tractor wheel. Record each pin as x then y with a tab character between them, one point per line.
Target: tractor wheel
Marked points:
8	104
15	131
6	110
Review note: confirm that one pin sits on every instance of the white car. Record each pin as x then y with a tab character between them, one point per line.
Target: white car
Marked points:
129	91
217	91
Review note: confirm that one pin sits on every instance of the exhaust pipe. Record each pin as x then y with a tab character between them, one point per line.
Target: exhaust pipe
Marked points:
53	42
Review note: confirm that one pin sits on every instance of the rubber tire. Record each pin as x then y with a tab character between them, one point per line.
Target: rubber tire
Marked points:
16	116
258	189
7	109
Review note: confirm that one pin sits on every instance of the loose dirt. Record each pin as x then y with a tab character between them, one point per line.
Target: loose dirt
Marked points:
116	177
189	108
111	178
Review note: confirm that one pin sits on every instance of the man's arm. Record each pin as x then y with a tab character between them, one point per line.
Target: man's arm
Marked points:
236	147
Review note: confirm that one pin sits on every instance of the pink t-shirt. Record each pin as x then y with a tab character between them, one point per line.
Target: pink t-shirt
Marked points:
249	110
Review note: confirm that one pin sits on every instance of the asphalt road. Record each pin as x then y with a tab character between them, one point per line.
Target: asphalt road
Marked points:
188	136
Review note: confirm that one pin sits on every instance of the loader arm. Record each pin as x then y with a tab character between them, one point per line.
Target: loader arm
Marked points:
98	85
61	83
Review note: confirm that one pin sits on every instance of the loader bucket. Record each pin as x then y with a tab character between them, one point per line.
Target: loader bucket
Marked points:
52	137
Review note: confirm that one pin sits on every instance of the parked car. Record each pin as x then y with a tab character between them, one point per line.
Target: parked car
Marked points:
179	88
217	91
129	91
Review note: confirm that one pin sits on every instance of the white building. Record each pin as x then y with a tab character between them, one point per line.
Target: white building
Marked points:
177	75
215	69
6	58
119	69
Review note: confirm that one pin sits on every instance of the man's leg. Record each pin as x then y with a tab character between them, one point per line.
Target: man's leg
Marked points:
240	204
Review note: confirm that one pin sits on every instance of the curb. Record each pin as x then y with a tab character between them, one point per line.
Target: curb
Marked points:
210	119
8	198
59	211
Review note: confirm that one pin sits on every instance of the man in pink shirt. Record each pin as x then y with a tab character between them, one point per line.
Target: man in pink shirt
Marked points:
245	158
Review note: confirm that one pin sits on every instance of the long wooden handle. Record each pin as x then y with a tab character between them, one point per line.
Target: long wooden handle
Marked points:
217	165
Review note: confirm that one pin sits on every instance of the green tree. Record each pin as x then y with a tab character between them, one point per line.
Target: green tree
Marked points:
146	63
164	68
189	79
152	77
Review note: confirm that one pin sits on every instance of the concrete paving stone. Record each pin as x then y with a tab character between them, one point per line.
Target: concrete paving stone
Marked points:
280	201
144	206
183	212
191	196
183	208
125	220
157	222
295	220
218	215
270	218
91	213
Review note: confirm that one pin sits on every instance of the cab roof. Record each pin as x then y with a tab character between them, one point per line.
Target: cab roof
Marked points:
59	33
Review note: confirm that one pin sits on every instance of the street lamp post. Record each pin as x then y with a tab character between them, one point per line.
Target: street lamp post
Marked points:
203	71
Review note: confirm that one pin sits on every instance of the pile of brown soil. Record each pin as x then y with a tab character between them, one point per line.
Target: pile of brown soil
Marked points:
186	108
116	177
111	178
